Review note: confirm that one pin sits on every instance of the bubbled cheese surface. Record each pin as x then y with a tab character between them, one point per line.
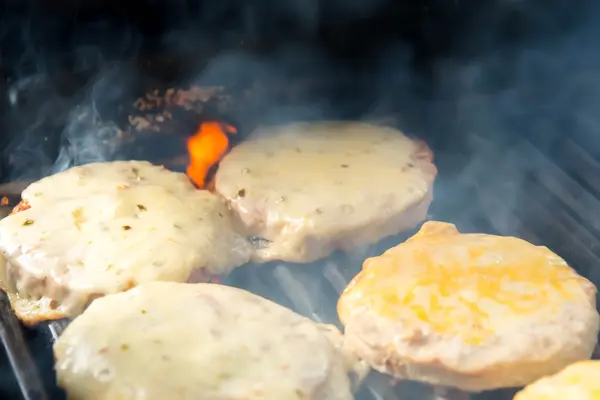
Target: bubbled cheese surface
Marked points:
197	341
308	189
105	227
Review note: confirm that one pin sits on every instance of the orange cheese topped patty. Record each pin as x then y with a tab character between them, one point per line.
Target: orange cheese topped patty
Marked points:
580	381
466	309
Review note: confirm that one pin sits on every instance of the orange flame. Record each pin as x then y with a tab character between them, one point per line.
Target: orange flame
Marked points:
206	148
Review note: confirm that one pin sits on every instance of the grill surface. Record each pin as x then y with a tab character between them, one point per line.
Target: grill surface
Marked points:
543	189
552	207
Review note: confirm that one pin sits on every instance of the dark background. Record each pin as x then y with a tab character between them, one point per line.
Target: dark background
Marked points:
483	82
376	57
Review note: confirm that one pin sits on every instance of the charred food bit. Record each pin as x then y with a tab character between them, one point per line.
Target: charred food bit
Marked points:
158	106
199	341
22	206
471	311
109	227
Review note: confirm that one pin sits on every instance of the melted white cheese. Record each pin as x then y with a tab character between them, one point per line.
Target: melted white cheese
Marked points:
103	228
309	189
204	341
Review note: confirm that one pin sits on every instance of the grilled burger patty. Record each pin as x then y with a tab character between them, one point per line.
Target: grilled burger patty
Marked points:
197	341
105	227
305	190
472	311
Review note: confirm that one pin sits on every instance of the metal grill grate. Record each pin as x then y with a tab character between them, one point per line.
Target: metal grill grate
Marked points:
542	196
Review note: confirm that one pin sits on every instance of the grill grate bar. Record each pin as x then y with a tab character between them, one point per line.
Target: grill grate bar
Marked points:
56	328
581	162
549	174
19	356
501	218
568	222
297	292
335	277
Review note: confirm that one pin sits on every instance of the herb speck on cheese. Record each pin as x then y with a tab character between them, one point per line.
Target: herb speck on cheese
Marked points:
28	222
126	227
141	207
241	193
347	208
124	347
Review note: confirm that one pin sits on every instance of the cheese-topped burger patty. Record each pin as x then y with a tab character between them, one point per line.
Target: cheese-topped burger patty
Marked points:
305	190
176	341
105	227
471	311
579	381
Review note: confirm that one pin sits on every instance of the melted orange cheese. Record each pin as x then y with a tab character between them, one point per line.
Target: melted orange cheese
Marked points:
464	285
579	381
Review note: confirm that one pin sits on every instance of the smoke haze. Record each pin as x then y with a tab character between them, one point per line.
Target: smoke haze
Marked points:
499	89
